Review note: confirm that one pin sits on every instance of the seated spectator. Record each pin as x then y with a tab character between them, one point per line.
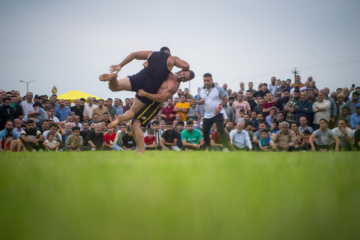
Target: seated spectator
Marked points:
17	125
229	126
76	122
274	127
106	118
257	134
94	139
271	117
305	144
355	118
324	137
264	141
280	117
344	134
299	135
109	138
169	138
191	138
52	116
31	137
68	127
150	140
85	131
303	125
50	144
129	143
11	145
45	126
285	139
75	141
240	138
9	128
179	128
118	139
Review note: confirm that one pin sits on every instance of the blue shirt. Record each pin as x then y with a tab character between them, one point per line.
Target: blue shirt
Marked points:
62	114
119	110
15	134
354	120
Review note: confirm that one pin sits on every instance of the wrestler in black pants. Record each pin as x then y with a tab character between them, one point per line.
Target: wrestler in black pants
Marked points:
207	124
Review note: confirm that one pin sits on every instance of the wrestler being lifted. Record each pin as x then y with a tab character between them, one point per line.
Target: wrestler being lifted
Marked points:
150	79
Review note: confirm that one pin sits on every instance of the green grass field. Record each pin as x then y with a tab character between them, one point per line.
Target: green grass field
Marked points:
186	195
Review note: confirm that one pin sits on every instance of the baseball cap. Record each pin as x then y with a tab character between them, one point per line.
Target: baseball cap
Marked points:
357	105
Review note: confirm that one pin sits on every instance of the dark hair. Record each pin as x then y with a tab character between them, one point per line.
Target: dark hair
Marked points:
192	74
155	122
327	121
306	132
207	75
82	99
345	107
168	123
163	49
249	123
286	90
9	135
30	121
355	93
123	124
151	131
74	128
343	119
189	122
37	104
262	122
265	131
54	125
181	123
6	98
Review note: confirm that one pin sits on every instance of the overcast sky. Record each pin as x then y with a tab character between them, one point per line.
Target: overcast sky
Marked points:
70	43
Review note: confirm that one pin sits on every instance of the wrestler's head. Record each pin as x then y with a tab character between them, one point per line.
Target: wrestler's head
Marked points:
185	76
165	49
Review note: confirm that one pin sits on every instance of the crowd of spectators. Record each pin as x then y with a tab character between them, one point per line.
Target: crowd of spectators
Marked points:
277	116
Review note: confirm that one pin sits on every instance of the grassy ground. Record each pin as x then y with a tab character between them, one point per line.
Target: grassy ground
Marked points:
186	195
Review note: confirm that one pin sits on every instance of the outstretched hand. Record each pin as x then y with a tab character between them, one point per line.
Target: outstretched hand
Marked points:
115	68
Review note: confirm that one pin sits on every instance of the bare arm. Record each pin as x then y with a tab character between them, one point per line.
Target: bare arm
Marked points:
141	55
158	97
181	64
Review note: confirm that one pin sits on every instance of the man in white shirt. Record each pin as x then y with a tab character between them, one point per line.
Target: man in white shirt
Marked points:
214	98
240	138
88	109
344	134
321	109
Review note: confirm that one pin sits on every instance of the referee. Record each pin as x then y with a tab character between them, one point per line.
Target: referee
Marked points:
214	99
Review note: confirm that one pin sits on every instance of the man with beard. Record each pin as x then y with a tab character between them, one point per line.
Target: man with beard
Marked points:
15	105
281	103
303	108
6	113
250	100
169	138
9	128
191	138
31	137
78	109
100	110
94	139
62	111
85	131
168	112
289	107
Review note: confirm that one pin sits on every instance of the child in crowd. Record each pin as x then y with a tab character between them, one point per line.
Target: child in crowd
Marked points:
74	141
12	145
50	144
305	145
109	138
150	140
264	142
241	116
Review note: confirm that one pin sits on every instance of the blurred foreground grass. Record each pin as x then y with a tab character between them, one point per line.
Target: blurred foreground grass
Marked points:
186	195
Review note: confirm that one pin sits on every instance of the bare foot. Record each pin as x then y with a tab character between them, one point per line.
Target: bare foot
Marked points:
108	77
141	152
117	121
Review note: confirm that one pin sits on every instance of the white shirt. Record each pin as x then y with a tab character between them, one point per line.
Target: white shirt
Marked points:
27	107
212	99
240	140
57	136
341	136
89	110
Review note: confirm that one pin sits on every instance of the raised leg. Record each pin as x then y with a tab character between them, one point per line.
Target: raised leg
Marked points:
114	84
138	136
130	114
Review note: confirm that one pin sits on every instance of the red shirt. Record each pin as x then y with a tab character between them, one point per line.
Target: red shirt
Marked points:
216	137
148	141
167	111
109	139
268	105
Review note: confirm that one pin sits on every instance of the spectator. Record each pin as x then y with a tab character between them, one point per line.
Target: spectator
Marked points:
75	141
191	138
355	118
344	134
303	125
127	105
182	107
17	107
31	137
250	100
229	111
68	132
12	145
52	116
216	143
357	137
297	82
39	114
271	117
262	91
50	144
350	104
299	135
303	108
100	110
333	108
191	114
78	109
285	138
54	130
157	133
62	111
268	104
274	127
168	112
85	130
76	122
112	110
169	138
250	85
109	138
259	108
129	143
240	104
6	113
305	144
321	108
88	109
27	105
240	138
118	144
17	125
345	114
264	142
150	140
118	109
281	103
324	137
290	107
94	139
9	128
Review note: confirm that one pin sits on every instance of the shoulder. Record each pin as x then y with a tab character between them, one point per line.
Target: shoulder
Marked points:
221	90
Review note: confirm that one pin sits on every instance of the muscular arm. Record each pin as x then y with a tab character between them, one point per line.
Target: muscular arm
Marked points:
181	64
141	55
158	97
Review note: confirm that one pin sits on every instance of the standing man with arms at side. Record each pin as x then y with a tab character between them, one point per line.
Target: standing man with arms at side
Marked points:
214	99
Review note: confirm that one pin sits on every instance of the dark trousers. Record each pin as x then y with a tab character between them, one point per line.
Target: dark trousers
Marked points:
207	124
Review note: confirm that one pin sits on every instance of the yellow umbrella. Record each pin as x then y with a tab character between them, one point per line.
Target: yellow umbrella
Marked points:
75	94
